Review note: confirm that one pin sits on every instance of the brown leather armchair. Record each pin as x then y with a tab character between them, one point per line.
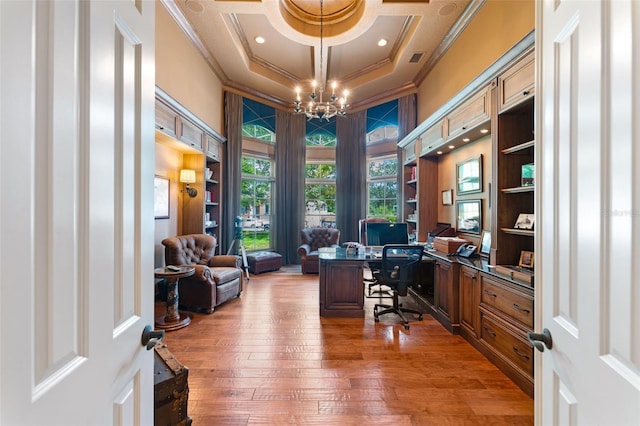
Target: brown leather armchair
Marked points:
216	279
312	240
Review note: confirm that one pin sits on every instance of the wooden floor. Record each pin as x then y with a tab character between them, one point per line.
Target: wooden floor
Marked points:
268	358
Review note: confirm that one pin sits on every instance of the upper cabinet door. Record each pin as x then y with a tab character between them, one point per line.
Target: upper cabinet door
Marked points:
166	120
517	83
191	134
470	114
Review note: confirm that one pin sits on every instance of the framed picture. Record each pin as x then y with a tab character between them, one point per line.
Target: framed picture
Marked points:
525	221
528	174
447	197
469	216
469	175
485	244
161	197
526	259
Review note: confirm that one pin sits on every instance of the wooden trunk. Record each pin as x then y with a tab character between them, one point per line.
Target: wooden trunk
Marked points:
171	390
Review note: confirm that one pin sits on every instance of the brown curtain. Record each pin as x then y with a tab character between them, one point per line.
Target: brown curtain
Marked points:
351	181
289	190
233	176
407	121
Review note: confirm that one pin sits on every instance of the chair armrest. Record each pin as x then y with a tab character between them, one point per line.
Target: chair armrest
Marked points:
229	260
304	250
202	273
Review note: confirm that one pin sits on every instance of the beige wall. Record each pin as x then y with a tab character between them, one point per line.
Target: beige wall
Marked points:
497	27
184	75
447	180
168	164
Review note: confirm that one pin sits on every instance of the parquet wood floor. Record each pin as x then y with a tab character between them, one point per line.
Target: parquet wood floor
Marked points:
268	358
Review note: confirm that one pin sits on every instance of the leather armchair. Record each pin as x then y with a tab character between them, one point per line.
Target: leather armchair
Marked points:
312	240
216	278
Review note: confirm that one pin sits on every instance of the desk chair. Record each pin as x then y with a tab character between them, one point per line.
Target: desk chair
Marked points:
370	281
398	268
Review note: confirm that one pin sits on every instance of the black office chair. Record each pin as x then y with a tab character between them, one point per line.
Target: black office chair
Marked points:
398	268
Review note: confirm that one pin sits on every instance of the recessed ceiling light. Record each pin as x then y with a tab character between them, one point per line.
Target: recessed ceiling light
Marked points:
439	152
451	146
466	140
382	42
484	131
259	40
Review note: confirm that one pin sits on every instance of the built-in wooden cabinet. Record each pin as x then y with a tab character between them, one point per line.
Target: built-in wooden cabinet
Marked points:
517	84
506	316
469	313
201	149
493	311
190	134
166	120
514	146
472	113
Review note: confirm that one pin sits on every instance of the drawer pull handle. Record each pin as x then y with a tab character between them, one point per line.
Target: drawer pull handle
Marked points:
521	355
515	305
488	293
489	332
525	93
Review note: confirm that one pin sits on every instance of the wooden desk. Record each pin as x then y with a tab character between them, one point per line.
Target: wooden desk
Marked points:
173	319
341	284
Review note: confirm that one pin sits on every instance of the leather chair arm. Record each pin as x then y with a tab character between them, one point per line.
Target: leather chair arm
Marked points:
304	250
229	260
202	273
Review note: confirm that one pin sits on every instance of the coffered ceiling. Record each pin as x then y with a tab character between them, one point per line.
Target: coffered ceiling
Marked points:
293	54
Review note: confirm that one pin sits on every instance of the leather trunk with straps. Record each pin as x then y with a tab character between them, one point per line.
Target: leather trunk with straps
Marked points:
171	390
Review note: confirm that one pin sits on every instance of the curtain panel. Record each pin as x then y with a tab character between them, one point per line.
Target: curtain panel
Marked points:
407	121
232	168
289	191
351	182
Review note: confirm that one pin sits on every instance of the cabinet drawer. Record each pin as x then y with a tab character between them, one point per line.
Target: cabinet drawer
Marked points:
166	120
471	113
191	134
517	83
515	305
508	343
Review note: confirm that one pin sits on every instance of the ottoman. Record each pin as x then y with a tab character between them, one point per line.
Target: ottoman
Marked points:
264	261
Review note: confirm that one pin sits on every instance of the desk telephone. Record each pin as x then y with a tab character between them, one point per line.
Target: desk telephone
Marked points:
466	250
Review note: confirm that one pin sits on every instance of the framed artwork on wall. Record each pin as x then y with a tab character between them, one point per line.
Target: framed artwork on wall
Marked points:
447	197
469	175
469	213
161	197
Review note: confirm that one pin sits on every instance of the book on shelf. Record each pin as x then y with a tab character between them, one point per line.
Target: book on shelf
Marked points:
413	173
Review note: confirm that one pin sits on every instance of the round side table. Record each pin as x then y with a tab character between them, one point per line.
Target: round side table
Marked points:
173	319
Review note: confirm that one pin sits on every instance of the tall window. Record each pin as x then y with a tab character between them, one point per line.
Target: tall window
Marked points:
257	182
320	195
383	187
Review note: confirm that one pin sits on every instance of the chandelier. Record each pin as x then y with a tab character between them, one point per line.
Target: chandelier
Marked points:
317	107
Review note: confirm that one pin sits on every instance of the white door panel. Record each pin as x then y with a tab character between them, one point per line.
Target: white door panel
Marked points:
76	227
588	216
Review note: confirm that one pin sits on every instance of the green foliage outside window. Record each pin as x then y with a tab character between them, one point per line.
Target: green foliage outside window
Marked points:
258	132
255	202
321	140
383	188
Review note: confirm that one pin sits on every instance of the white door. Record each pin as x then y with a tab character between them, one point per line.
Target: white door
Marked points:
76	220
588	207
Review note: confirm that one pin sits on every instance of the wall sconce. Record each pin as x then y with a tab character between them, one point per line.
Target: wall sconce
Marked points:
188	176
